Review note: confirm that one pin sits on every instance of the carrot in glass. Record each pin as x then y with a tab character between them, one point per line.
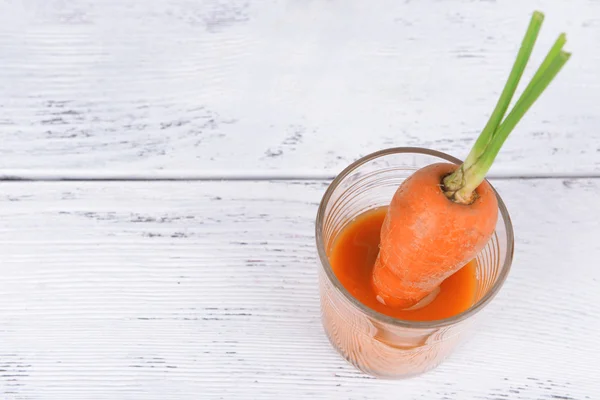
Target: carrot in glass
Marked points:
442	216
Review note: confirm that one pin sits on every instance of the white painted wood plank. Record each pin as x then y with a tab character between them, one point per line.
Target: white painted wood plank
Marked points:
283	84
209	290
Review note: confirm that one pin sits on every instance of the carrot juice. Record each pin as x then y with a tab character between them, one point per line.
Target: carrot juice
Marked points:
353	255
372	345
378	339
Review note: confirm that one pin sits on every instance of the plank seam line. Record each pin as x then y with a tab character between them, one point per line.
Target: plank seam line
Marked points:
173	175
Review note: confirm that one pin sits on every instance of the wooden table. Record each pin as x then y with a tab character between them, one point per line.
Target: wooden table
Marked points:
175	153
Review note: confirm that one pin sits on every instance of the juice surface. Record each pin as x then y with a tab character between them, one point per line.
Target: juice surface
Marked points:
353	255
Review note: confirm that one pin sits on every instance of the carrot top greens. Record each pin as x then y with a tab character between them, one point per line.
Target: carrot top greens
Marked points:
461	184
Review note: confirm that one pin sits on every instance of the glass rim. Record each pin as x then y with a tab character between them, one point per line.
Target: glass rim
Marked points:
471	311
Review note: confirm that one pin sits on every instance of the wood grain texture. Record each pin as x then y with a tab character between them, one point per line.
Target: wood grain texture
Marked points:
283	84
209	290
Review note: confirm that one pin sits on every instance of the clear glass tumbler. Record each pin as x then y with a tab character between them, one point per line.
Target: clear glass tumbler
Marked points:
377	344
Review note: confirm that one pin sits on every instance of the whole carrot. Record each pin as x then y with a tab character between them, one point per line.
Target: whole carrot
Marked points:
442	216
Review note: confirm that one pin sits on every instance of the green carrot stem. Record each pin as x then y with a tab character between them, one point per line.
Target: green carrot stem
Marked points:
529	96
510	86
461	184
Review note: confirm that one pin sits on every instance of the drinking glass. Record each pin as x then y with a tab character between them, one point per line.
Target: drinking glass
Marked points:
377	344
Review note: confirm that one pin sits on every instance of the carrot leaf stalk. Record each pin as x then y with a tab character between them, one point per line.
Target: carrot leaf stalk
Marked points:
461	184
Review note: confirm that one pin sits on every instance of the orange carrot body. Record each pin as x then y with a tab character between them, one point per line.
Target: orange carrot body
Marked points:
427	237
